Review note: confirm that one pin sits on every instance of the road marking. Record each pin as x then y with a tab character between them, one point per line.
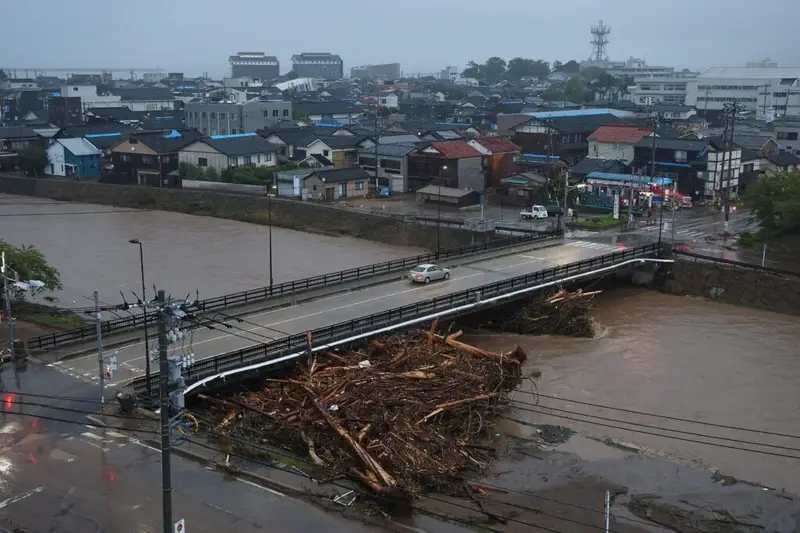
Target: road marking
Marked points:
20	497
91	435
275	492
116	435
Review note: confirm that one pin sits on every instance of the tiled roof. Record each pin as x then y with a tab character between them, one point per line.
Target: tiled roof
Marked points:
165	142
116	113
455	149
783	159
341	142
689	145
619	134
391	150
338	175
588	165
236	146
17	132
78	147
497	145
143	94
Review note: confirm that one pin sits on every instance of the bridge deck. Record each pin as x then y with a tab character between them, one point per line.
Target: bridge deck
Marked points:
268	325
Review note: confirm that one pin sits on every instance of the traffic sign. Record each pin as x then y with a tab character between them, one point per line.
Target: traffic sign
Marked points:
180	526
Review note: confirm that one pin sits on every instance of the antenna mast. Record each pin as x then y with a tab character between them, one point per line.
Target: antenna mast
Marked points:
599	41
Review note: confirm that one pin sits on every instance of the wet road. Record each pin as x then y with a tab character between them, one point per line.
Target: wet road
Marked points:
70	476
266	326
89	245
681	357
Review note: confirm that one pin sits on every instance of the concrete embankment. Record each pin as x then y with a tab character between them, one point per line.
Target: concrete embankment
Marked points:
303	216
757	288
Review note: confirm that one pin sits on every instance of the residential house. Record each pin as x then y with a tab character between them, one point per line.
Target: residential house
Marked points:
231	117
405	138
292	143
452	163
388	99
691	163
17	138
558	77
587	165
562	134
781	162
121	115
616	141
336	184
73	158
498	157
522	189
149	158
448	196
393	165
103	136
448	131
342	149
290	182
65	111
316	161
221	152
340	110
136	99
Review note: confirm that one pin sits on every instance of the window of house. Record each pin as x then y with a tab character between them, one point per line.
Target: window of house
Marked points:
125	157
204	114
285	112
275	113
680	156
248	160
258	158
359	185
232	161
266	113
223	116
326	153
213	116
202	162
268	158
749	167
76	90
147	160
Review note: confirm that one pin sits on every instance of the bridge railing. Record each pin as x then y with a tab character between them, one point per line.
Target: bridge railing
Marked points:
294	343
133	321
738	264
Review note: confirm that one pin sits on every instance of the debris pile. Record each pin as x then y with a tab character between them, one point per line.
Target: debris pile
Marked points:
560	313
404	414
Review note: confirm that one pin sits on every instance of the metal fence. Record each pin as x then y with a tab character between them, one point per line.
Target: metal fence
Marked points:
298	342
739	264
89	332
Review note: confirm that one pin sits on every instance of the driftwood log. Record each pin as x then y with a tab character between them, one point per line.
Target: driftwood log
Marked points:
403	415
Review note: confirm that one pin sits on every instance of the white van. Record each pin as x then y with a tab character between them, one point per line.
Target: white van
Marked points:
536	212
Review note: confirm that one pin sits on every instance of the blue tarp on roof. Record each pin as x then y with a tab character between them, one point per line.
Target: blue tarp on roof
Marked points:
573	113
233	136
540	156
670	164
174	134
98	135
613	176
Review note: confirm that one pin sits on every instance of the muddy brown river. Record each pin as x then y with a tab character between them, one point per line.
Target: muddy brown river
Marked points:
684	358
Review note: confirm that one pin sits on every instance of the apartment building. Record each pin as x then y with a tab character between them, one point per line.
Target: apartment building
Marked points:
323	66
758	89
231	117
254	65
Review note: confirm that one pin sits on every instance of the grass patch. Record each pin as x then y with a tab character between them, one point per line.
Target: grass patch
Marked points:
49	317
601	222
748	239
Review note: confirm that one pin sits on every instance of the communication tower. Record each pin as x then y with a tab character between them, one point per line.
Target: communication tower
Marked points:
600	34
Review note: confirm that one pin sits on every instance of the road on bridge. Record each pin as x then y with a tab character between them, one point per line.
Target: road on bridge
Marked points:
266	326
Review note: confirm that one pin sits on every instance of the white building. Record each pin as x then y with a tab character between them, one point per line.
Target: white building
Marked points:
449	73
756	88
389	99
224	151
721	175
135	99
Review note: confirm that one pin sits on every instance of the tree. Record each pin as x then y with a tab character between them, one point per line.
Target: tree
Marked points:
495	69
473	70
29	264
574	90
557	65
3	75
33	160
291	75
604	85
521	68
226	175
775	202
553	93
384	111
571	67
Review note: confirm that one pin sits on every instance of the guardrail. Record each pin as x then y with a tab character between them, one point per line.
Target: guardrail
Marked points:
739	264
89	332
262	352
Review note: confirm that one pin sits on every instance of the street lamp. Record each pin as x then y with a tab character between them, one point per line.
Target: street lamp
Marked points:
439	212
272	190
144	315
18	285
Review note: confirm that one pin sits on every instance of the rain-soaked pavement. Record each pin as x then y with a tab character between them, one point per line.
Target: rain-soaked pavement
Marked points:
58	474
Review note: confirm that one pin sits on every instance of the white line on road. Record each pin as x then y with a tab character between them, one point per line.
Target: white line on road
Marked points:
20	497
275	492
91	435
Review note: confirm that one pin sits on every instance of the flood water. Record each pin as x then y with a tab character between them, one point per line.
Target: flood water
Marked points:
681	357
89	245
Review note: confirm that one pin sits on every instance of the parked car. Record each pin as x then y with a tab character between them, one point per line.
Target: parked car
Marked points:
535	212
427	272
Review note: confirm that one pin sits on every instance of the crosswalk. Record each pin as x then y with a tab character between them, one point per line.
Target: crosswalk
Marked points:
682	233
593	246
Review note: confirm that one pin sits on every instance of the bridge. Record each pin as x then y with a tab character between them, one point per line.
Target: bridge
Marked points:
281	335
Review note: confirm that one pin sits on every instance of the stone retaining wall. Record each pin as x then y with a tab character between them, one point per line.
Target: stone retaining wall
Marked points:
733	285
303	216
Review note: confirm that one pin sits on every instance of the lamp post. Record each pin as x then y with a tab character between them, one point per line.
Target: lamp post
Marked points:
439	212
272	189
144	318
18	285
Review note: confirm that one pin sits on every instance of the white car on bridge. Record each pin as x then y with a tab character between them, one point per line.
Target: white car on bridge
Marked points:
428	272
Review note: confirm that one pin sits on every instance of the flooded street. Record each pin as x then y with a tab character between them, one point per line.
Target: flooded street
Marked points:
680	357
89	245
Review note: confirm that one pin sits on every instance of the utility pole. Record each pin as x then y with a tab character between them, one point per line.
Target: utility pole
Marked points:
163	379
732	109
377	161
630	202
7	297
656	122
100	363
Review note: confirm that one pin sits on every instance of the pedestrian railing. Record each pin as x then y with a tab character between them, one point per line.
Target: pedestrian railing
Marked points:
737	264
261	294
298	342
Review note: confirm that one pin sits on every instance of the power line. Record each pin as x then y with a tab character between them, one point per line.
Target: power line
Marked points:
75	422
763	452
637	424
657	415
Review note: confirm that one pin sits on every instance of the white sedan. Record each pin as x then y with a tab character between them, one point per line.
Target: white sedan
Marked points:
428	272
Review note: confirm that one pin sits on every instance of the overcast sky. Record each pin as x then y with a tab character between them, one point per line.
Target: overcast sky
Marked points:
422	35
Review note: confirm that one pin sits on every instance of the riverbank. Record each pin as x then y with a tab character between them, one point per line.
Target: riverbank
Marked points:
311	217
